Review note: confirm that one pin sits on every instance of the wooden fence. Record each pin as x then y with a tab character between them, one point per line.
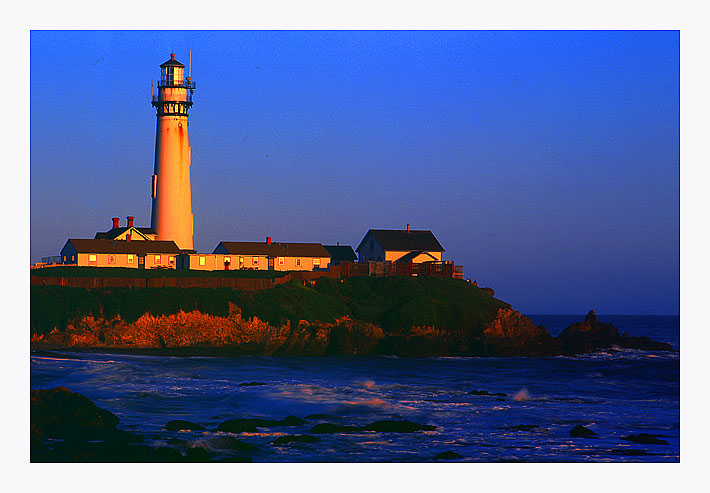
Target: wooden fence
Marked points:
345	269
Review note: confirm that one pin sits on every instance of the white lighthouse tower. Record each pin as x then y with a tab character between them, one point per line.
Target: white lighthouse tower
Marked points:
171	216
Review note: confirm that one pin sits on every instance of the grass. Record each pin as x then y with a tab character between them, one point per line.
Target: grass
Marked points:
393	303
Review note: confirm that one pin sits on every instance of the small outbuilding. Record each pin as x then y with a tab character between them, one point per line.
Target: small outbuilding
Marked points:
273	256
340	253
120	253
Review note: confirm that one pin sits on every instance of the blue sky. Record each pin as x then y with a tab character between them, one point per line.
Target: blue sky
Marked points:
546	163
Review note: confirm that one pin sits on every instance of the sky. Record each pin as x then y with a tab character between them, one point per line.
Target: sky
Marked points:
547	163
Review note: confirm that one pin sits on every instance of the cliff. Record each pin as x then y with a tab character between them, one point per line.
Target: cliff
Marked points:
404	317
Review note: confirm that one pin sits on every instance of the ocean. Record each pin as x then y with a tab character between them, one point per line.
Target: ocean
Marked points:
618	394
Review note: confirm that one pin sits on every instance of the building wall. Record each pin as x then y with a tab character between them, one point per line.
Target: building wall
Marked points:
392	256
129	260
371	250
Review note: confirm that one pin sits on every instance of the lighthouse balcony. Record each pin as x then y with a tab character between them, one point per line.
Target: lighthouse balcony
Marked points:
186	84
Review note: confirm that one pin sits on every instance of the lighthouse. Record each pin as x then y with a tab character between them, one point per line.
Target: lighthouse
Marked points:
171	214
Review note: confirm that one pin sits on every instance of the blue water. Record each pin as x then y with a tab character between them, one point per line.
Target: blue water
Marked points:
614	393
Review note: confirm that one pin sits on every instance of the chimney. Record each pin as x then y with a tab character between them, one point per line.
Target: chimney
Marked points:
268	240
407	228
130	221
115	222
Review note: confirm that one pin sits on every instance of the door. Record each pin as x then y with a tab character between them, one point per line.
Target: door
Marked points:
271	263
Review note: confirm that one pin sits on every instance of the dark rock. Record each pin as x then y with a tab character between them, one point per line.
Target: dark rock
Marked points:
74	450
60	413
231	443
489	291
164	454
333	428
180	424
197	454
447	456
394	426
250	424
291	421
512	334
522	428
485	392
630	452
580	431
250	384
286	439
645	439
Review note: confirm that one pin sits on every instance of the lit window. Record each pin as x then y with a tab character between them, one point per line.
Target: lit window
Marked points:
157	259
65	258
281	261
92	257
171	260
227	260
202	260
316	262
130	258
255	260
111	259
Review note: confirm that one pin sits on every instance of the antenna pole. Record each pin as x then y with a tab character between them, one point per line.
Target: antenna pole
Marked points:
189	69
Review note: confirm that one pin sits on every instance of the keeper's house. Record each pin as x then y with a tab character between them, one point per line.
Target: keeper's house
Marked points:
120	253
272	256
394	245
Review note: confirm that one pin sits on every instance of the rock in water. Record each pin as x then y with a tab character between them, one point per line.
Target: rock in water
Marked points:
580	431
447	456
181	424
60	413
394	426
645	439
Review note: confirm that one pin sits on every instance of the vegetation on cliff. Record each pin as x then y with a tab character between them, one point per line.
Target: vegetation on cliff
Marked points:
404	316
396	304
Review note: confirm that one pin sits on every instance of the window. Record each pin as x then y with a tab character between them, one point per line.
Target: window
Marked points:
130	258
227	260
202	260
157	259
255	260
298	262
65	258
92	257
111	259
171	260
316	262
282	261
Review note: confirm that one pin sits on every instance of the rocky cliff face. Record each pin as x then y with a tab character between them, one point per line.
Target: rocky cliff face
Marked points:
508	334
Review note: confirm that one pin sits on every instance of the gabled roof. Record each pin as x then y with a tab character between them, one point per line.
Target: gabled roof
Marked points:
114	233
403	240
122	246
274	249
340	253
